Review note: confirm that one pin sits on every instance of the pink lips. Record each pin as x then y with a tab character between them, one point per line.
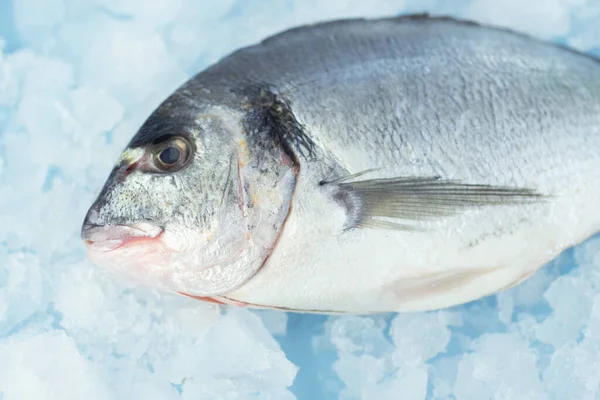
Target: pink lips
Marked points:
111	237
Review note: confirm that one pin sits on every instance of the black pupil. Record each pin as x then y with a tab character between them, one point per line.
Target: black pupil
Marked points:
170	155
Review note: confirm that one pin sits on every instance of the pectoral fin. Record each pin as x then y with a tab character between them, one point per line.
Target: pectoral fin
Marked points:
397	203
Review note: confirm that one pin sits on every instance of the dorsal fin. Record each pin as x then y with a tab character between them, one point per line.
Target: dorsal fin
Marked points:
417	17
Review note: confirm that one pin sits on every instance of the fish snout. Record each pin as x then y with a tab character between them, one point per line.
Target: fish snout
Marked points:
92	224
111	237
91	219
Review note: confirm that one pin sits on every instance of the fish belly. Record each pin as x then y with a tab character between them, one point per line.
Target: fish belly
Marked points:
316	269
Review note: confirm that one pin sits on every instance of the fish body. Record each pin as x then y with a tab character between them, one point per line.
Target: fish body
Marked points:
360	166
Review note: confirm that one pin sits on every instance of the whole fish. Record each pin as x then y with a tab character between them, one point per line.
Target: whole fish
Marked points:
360	166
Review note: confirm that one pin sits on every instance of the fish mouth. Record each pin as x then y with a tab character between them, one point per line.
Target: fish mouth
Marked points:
107	238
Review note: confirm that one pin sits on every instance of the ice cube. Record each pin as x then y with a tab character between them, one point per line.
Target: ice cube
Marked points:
419	337
503	366
36	20
22	290
47	366
571	299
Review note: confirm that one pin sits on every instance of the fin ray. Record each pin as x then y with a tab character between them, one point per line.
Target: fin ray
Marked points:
417	199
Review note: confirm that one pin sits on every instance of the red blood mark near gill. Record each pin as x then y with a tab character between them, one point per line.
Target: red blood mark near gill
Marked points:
202	298
236	302
286	160
125	171
231	302
131	167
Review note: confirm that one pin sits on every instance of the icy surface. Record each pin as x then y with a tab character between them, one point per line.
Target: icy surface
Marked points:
77	77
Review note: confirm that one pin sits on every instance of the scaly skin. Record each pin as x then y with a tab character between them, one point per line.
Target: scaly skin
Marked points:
418	97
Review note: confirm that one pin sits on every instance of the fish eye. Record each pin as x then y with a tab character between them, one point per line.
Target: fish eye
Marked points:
172	154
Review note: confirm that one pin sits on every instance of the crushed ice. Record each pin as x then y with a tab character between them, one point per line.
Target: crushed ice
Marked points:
78	77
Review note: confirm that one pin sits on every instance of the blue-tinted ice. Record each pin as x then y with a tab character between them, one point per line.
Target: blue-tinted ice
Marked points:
77	77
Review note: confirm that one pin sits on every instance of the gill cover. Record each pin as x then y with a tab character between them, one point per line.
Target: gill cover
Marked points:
264	178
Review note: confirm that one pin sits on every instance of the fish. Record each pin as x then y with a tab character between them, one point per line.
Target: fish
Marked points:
359	166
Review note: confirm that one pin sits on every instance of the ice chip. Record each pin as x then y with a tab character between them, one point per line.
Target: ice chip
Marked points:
37	19
506	307
126	58
80	79
503	366
593	324
407	383
274	321
41	114
359	335
47	366
9	82
161	12
43	74
587	36
530	292
239	345
94	109
152	389
22	291
573	372
419	337
80	299
359	373
571	300
443	374
226	355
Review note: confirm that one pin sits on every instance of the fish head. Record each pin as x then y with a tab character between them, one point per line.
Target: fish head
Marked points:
195	203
